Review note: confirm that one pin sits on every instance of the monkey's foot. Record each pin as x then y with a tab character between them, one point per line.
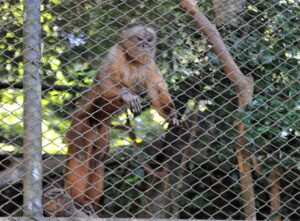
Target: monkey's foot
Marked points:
89	210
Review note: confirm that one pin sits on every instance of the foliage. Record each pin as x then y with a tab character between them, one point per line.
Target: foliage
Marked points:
76	34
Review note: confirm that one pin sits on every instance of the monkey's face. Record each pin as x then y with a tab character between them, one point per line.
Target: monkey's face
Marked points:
140	42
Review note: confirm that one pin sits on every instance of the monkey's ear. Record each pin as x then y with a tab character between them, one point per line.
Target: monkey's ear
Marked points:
125	34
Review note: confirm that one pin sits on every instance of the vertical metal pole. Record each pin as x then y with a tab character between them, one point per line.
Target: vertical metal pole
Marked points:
32	136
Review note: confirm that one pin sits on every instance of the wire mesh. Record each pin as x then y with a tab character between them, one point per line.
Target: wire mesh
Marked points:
221	162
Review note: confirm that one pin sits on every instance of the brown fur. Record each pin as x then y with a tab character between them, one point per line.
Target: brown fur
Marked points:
127	71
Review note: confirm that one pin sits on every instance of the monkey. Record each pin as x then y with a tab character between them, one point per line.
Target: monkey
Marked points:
57	203
127	71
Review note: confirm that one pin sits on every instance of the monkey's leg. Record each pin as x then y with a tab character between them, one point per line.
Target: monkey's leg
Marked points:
78	165
96	176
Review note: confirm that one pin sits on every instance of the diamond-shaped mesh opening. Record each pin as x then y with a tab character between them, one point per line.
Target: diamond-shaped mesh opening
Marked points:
147	120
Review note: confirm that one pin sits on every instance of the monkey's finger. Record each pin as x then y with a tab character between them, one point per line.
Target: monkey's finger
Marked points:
175	121
132	110
134	106
137	104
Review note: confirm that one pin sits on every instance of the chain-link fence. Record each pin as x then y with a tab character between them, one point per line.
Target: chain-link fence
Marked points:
137	109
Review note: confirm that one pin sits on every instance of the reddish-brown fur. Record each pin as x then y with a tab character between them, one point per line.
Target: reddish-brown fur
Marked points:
127	71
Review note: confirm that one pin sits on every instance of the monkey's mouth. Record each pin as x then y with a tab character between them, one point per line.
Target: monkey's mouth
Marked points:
146	46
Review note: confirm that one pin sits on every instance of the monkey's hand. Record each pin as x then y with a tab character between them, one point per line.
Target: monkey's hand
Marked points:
173	120
133	101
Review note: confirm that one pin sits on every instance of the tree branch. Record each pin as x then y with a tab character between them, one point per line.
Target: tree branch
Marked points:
244	89
243	84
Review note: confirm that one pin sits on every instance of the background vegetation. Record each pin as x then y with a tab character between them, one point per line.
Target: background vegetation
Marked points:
265	45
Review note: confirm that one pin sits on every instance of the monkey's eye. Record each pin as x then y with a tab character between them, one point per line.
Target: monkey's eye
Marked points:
150	39
140	39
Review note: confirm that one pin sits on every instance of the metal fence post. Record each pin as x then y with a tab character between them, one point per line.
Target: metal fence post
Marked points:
32	136
231	69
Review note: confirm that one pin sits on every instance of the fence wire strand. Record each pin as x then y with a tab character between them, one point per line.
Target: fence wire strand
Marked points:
146	115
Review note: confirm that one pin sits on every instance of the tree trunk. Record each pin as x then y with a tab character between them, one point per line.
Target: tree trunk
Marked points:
244	89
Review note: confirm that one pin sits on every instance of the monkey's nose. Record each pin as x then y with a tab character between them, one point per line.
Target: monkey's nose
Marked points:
145	45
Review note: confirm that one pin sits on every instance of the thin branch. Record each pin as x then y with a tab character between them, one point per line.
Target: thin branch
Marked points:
244	89
243	84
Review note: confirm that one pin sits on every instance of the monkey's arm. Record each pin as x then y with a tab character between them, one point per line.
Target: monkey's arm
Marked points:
110	86
159	95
